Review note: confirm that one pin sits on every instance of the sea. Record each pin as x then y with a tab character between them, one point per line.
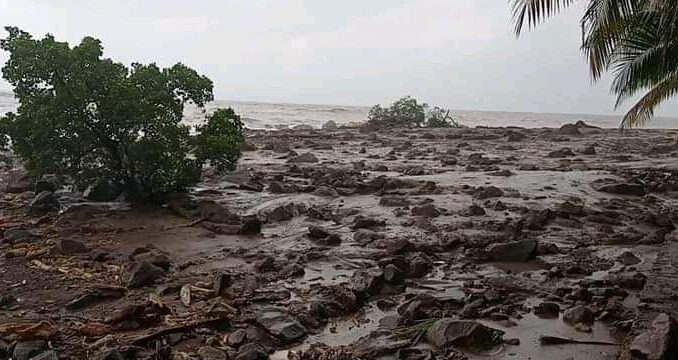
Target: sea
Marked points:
260	115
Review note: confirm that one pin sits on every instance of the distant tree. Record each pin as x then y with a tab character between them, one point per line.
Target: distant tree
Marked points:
408	113
92	119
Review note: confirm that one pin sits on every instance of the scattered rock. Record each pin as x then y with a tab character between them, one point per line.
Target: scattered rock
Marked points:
210	353
143	274
464	334
71	247
514	251
103	190
330	126
221	283
561	153
43	203
366	282
578	314
28	350
547	310
281	325
473	210
570	130
619	188
394	201
483	193
659	342
304	158
427	211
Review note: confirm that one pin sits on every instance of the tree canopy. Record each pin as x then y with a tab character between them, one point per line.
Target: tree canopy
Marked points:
89	118
409	113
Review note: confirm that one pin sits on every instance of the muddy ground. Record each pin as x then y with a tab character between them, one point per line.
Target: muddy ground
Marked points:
342	244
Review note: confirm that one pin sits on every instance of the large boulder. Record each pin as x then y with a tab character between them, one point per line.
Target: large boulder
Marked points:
304	158
578	314
659	342
330	126
143	274
282	325
464	334
513	251
43	203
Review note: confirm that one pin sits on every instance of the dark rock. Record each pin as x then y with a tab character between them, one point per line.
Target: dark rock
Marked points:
427	211
210	353
514	251
70	247
29	349
547	310
365	236
47	355
463	334
48	182
513	342
277	187
143	274
251	225
236	338
326	191
620	188
578	314
221	283
330	126
483	193
266	264
103	190
7	301
367	282
252	354
252	186
394	201
473	210
420	265
292	270
282	325
316	232
561	153
43	203
304	158
419	307
363	222
659	342
160	260
515	136
414	354
399	246
589	150
634	281
570	130
99	255
393	275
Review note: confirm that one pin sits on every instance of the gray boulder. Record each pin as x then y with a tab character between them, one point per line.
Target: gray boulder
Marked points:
514	251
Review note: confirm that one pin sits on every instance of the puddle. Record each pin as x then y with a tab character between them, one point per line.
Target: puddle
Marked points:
531	327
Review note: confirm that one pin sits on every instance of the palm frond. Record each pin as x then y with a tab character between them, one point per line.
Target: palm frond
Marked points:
533	12
644	109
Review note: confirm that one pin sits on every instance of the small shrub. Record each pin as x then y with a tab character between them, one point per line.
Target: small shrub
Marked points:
408	113
92	119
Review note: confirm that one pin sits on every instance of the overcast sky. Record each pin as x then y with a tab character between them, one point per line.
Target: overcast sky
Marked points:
457	53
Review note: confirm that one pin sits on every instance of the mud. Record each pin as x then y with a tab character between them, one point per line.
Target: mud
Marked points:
361	246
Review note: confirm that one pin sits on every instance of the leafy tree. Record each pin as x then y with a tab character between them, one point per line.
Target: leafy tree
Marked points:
408	113
438	117
92	119
637	40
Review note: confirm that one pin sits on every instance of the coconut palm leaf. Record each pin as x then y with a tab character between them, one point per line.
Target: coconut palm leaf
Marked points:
644	109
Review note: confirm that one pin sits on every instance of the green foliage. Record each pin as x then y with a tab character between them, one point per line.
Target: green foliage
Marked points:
634	39
438	117
408	113
93	119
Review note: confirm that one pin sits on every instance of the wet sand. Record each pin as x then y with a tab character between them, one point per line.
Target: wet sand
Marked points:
364	236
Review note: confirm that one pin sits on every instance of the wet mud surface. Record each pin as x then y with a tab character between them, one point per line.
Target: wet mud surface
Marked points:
449	244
